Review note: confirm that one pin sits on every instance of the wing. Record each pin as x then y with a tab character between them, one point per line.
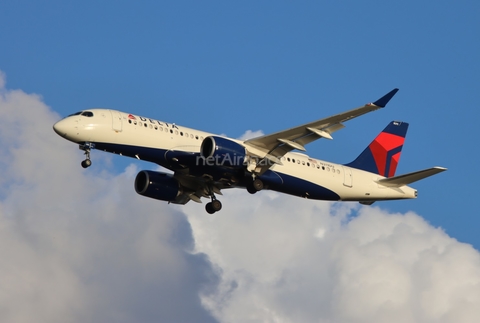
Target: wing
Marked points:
276	145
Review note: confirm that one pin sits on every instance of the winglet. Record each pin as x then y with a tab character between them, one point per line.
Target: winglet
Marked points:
382	102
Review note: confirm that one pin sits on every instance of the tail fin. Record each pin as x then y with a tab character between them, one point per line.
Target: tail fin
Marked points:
382	155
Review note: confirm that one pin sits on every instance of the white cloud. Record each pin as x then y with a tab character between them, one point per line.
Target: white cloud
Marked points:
81	246
249	134
375	267
3	79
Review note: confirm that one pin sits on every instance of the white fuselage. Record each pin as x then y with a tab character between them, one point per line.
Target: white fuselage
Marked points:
132	135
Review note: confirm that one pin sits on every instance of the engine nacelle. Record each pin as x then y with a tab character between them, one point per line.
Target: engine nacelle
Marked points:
218	151
157	185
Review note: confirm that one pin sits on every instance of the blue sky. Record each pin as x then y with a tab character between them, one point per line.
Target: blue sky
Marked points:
227	67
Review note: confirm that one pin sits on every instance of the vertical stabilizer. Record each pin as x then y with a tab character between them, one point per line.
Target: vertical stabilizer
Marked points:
382	155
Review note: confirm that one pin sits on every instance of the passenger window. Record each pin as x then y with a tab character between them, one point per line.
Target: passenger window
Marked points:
171	131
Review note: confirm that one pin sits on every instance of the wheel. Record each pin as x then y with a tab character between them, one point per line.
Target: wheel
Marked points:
258	184
213	206
251	189
86	163
216	205
209	208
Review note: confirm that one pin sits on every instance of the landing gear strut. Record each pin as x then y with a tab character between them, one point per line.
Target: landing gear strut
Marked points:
86	147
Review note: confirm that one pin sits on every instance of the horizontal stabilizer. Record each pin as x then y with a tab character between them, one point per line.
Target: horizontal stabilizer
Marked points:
406	179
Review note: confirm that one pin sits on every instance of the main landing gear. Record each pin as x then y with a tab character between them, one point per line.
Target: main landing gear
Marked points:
86	147
213	206
255	186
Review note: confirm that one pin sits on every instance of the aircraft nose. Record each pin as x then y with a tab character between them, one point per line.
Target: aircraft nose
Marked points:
61	128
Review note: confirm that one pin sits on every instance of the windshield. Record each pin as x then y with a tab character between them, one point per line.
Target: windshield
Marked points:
83	113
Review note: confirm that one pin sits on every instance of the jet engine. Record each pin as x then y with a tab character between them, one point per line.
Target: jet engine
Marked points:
157	185
218	151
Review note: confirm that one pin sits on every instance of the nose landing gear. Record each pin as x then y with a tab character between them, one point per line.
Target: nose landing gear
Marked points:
86	147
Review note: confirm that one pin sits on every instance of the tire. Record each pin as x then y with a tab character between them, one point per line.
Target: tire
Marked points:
251	189
209	208
258	184
216	205
86	163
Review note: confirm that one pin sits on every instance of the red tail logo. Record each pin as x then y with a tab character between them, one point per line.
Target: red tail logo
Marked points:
386	149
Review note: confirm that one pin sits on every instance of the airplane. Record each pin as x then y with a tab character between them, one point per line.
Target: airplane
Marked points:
203	164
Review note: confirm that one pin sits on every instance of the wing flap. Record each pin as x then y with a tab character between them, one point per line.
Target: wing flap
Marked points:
406	179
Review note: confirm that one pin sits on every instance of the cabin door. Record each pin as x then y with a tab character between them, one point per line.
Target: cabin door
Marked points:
116	121
347	176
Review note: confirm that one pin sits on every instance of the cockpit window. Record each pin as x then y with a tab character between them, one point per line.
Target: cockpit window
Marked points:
83	113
